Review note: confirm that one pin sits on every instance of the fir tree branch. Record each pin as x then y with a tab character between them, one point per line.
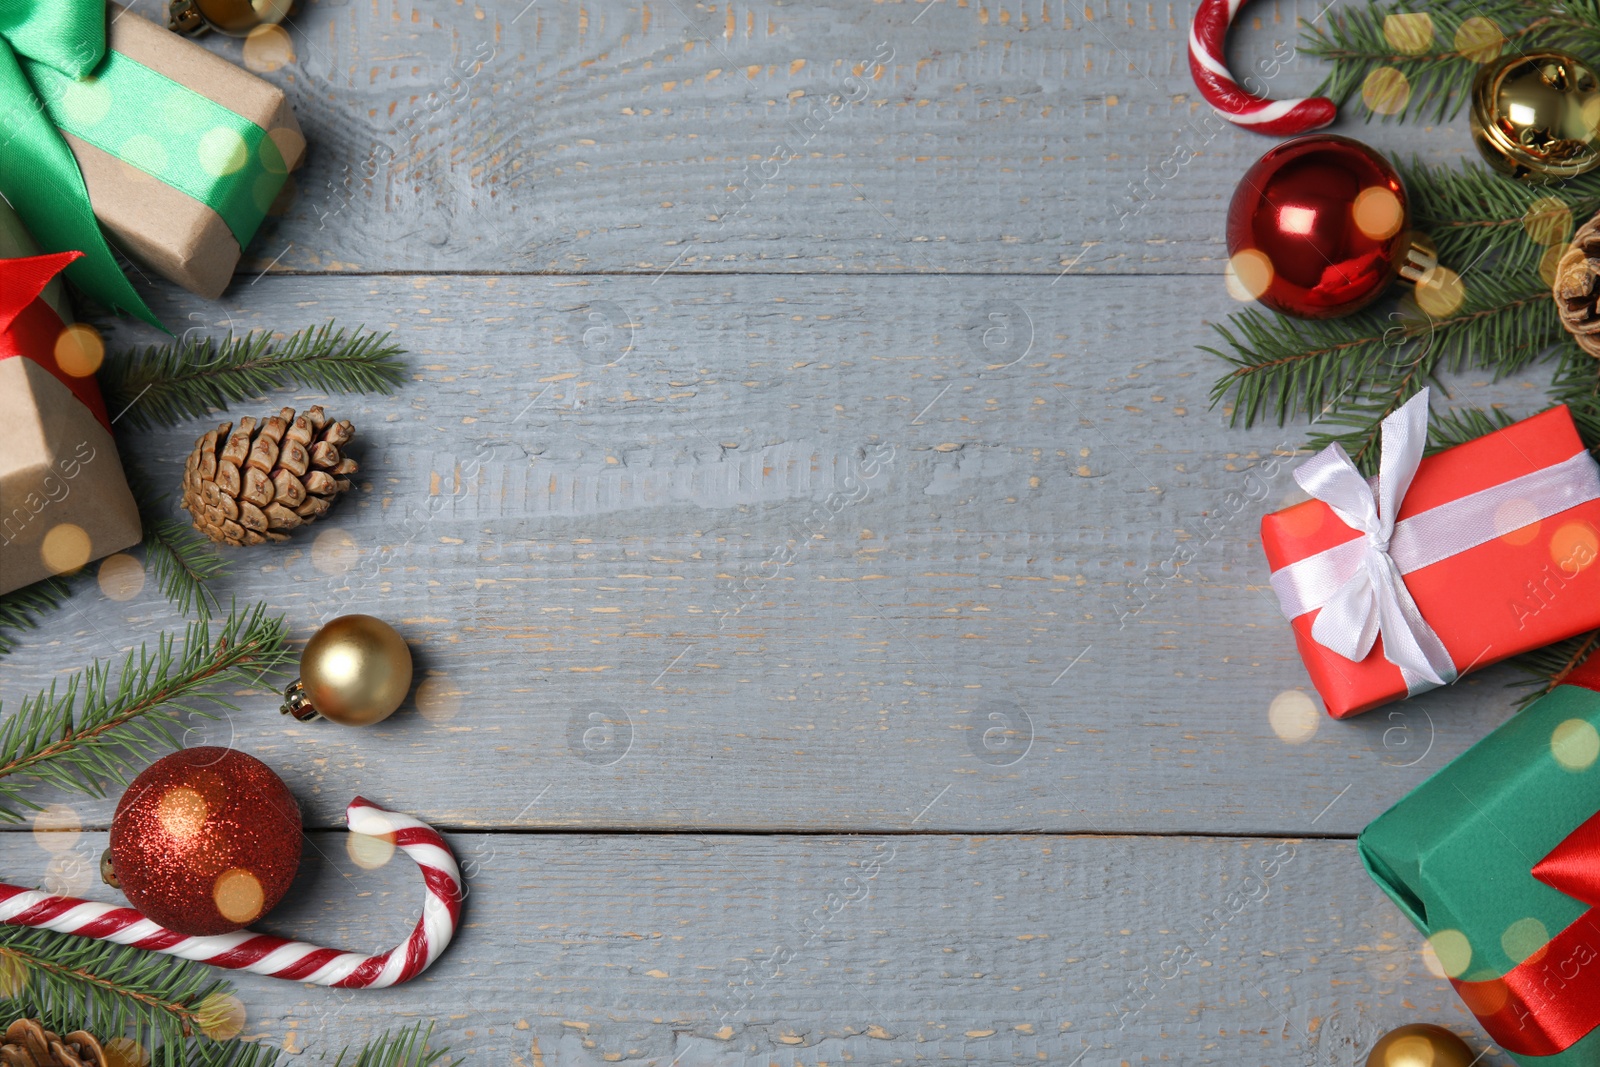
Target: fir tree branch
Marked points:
89	735
80	983
405	1048
1480	221
21	609
163	385
182	560
1548	667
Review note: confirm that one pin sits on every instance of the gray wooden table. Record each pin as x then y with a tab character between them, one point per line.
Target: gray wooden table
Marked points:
805	426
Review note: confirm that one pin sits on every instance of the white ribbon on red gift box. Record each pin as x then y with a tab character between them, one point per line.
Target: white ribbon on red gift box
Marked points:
1358	587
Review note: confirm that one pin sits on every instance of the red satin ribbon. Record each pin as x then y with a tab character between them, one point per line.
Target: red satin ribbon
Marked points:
1551	1001
29	327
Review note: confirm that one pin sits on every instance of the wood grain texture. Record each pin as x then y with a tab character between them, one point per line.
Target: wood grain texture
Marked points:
706	949
631	598
1020	136
742	502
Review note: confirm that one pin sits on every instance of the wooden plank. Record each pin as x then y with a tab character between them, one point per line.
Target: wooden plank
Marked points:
878	950
1018	136
798	560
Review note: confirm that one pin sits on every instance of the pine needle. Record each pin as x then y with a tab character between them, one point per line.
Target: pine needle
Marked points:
95	733
78	983
406	1048
21	609
182	560
166	384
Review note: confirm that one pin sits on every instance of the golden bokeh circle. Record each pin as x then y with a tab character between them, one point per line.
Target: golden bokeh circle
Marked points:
1550	263
1575	744
1249	274
1524	939
14	976
182	811
1574	547
369	852
1378	212
1516	522
65	548
1386	91
268	48
221	1016
57	827
121	577
1447	954
1440	292
222	152
1479	39
334	551
1409	33
238	895
68	875
438	700
125	1052
79	350
289	144
1547	221
1294	716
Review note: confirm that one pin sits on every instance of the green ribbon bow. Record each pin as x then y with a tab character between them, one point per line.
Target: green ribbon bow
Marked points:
56	76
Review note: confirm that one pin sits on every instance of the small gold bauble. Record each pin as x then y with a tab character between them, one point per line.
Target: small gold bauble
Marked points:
356	671
1536	116
1420	1045
236	18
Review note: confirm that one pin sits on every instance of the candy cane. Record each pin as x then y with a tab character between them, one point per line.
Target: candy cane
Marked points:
277	957
1208	38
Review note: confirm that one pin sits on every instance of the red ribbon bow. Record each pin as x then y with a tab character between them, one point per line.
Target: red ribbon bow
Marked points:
30	328
1551	1000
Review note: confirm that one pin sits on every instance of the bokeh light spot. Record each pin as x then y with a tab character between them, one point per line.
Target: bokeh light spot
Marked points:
181	812
1294	716
57	827
121	577
1378	213
222	151
65	548
79	350
1479	40
145	152
438	700
369	852
1386	91
334	552
1575	744
125	1052
1547	221
1410	33
268	48
1524	939
1573	547
238	895
1516	522
1447	953
221	1016
1249	274
1440	292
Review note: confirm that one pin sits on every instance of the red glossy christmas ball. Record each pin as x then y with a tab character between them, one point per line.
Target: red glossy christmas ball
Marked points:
206	841
1317	227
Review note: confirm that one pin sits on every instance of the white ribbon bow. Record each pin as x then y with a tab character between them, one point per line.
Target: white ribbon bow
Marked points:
1375	599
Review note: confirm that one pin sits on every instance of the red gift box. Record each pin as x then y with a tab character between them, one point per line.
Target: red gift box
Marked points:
1533	584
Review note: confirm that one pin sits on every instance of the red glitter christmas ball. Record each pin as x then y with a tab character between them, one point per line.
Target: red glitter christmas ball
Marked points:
1317	227
206	841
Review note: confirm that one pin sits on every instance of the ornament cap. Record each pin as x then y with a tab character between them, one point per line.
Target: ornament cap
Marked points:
183	17
1419	259
297	704
108	873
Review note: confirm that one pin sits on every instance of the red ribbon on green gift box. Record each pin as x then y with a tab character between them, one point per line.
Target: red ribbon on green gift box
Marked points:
1551	1000
57	76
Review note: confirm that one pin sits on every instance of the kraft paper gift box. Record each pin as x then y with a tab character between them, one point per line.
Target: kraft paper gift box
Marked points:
63	497
181	151
1496	543
1496	858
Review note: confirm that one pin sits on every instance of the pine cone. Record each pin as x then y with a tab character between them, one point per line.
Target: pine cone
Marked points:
26	1043
264	479
1577	287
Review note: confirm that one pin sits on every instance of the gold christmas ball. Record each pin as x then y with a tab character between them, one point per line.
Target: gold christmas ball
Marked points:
236	18
1536	116
1420	1045
356	671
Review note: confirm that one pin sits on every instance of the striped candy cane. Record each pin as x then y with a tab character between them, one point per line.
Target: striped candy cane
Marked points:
277	957
1208	38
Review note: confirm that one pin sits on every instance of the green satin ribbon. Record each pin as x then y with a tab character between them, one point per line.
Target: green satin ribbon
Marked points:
55	72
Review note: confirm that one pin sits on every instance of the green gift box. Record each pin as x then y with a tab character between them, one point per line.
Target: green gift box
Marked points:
1496	858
